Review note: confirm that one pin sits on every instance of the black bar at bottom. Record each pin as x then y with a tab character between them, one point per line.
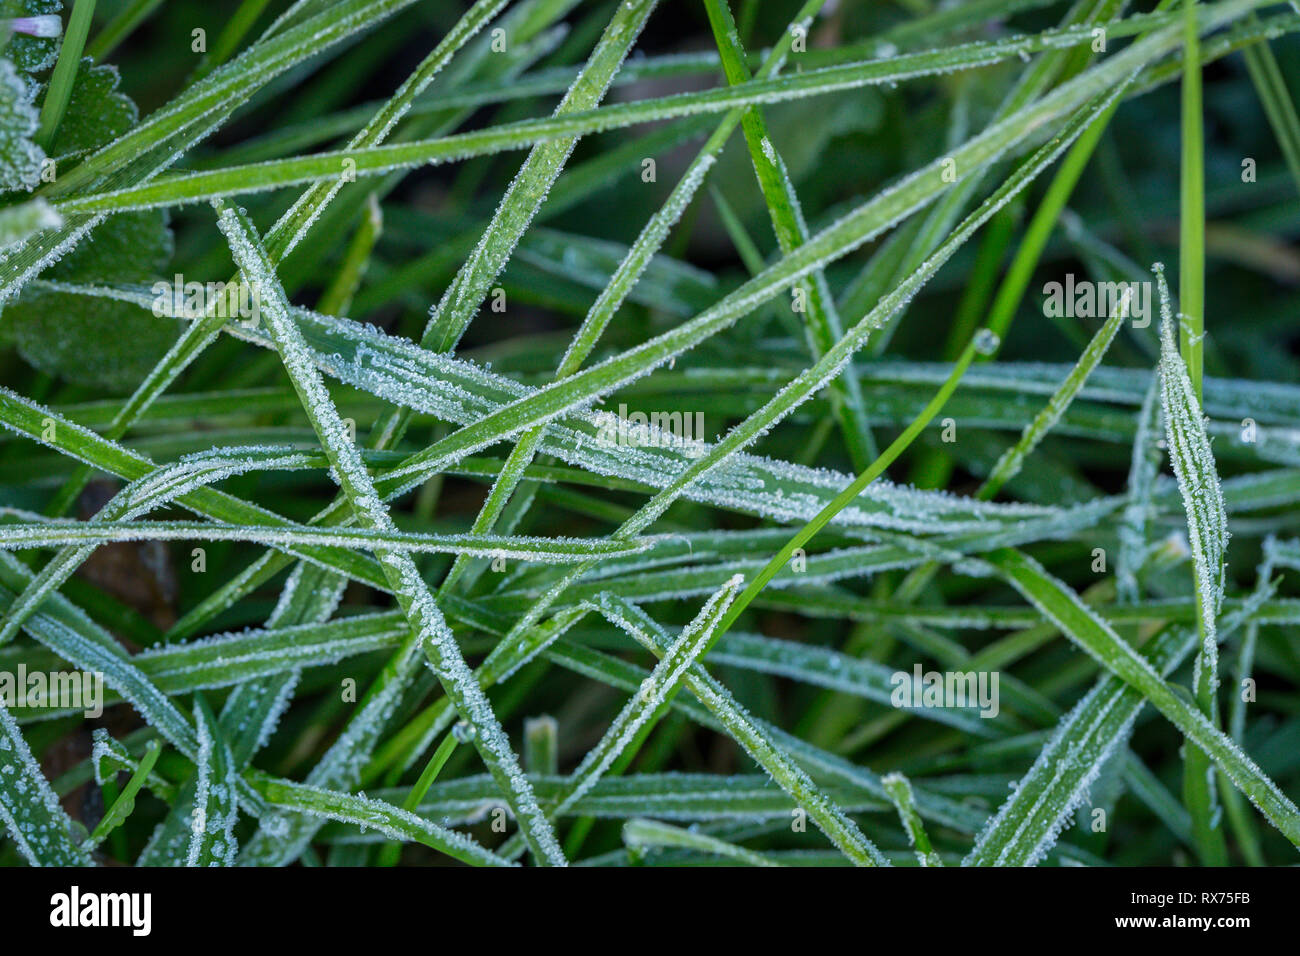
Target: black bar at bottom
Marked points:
339	906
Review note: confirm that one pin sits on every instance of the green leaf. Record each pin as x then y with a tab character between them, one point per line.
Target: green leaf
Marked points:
20	157
31	54
97	113
98	342
86	341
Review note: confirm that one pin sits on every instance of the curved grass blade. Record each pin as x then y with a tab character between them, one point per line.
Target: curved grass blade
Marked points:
899	789
824	327
195	187
1028	823
640	713
770	753
641	835
1207	526
392	822
462	299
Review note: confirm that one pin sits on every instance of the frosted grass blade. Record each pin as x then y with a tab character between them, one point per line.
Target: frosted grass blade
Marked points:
429	632
36	823
212	840
1091	634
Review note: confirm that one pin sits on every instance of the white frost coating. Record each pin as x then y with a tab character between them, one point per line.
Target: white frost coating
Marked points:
382	159
531	185
190	117
20	263
1139	512
1105	646
1012	460
81	642
656	351
17	223
824	667
369	813
1029	822
899	789
153	490
48	532
212	823
274	710
768	746
308	207
20	157
638	258
654	690
107	756
401	372
29	807
429	630
1198	482
665	795
326	598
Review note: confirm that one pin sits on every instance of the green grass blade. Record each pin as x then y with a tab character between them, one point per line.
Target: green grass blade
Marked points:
1090	633
823	322
769	753
60	88
393	822
1207	526
1191	212
641	835
899	789
212	840
469	289
429	632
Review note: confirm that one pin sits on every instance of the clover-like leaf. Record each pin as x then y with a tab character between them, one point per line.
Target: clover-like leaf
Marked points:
34	43
96	113
20	158
96	341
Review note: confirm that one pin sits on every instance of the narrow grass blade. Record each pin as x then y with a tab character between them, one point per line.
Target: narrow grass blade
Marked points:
429	632
1207	525
899	789
216	809
768	752
644	835
392	822
1084	628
